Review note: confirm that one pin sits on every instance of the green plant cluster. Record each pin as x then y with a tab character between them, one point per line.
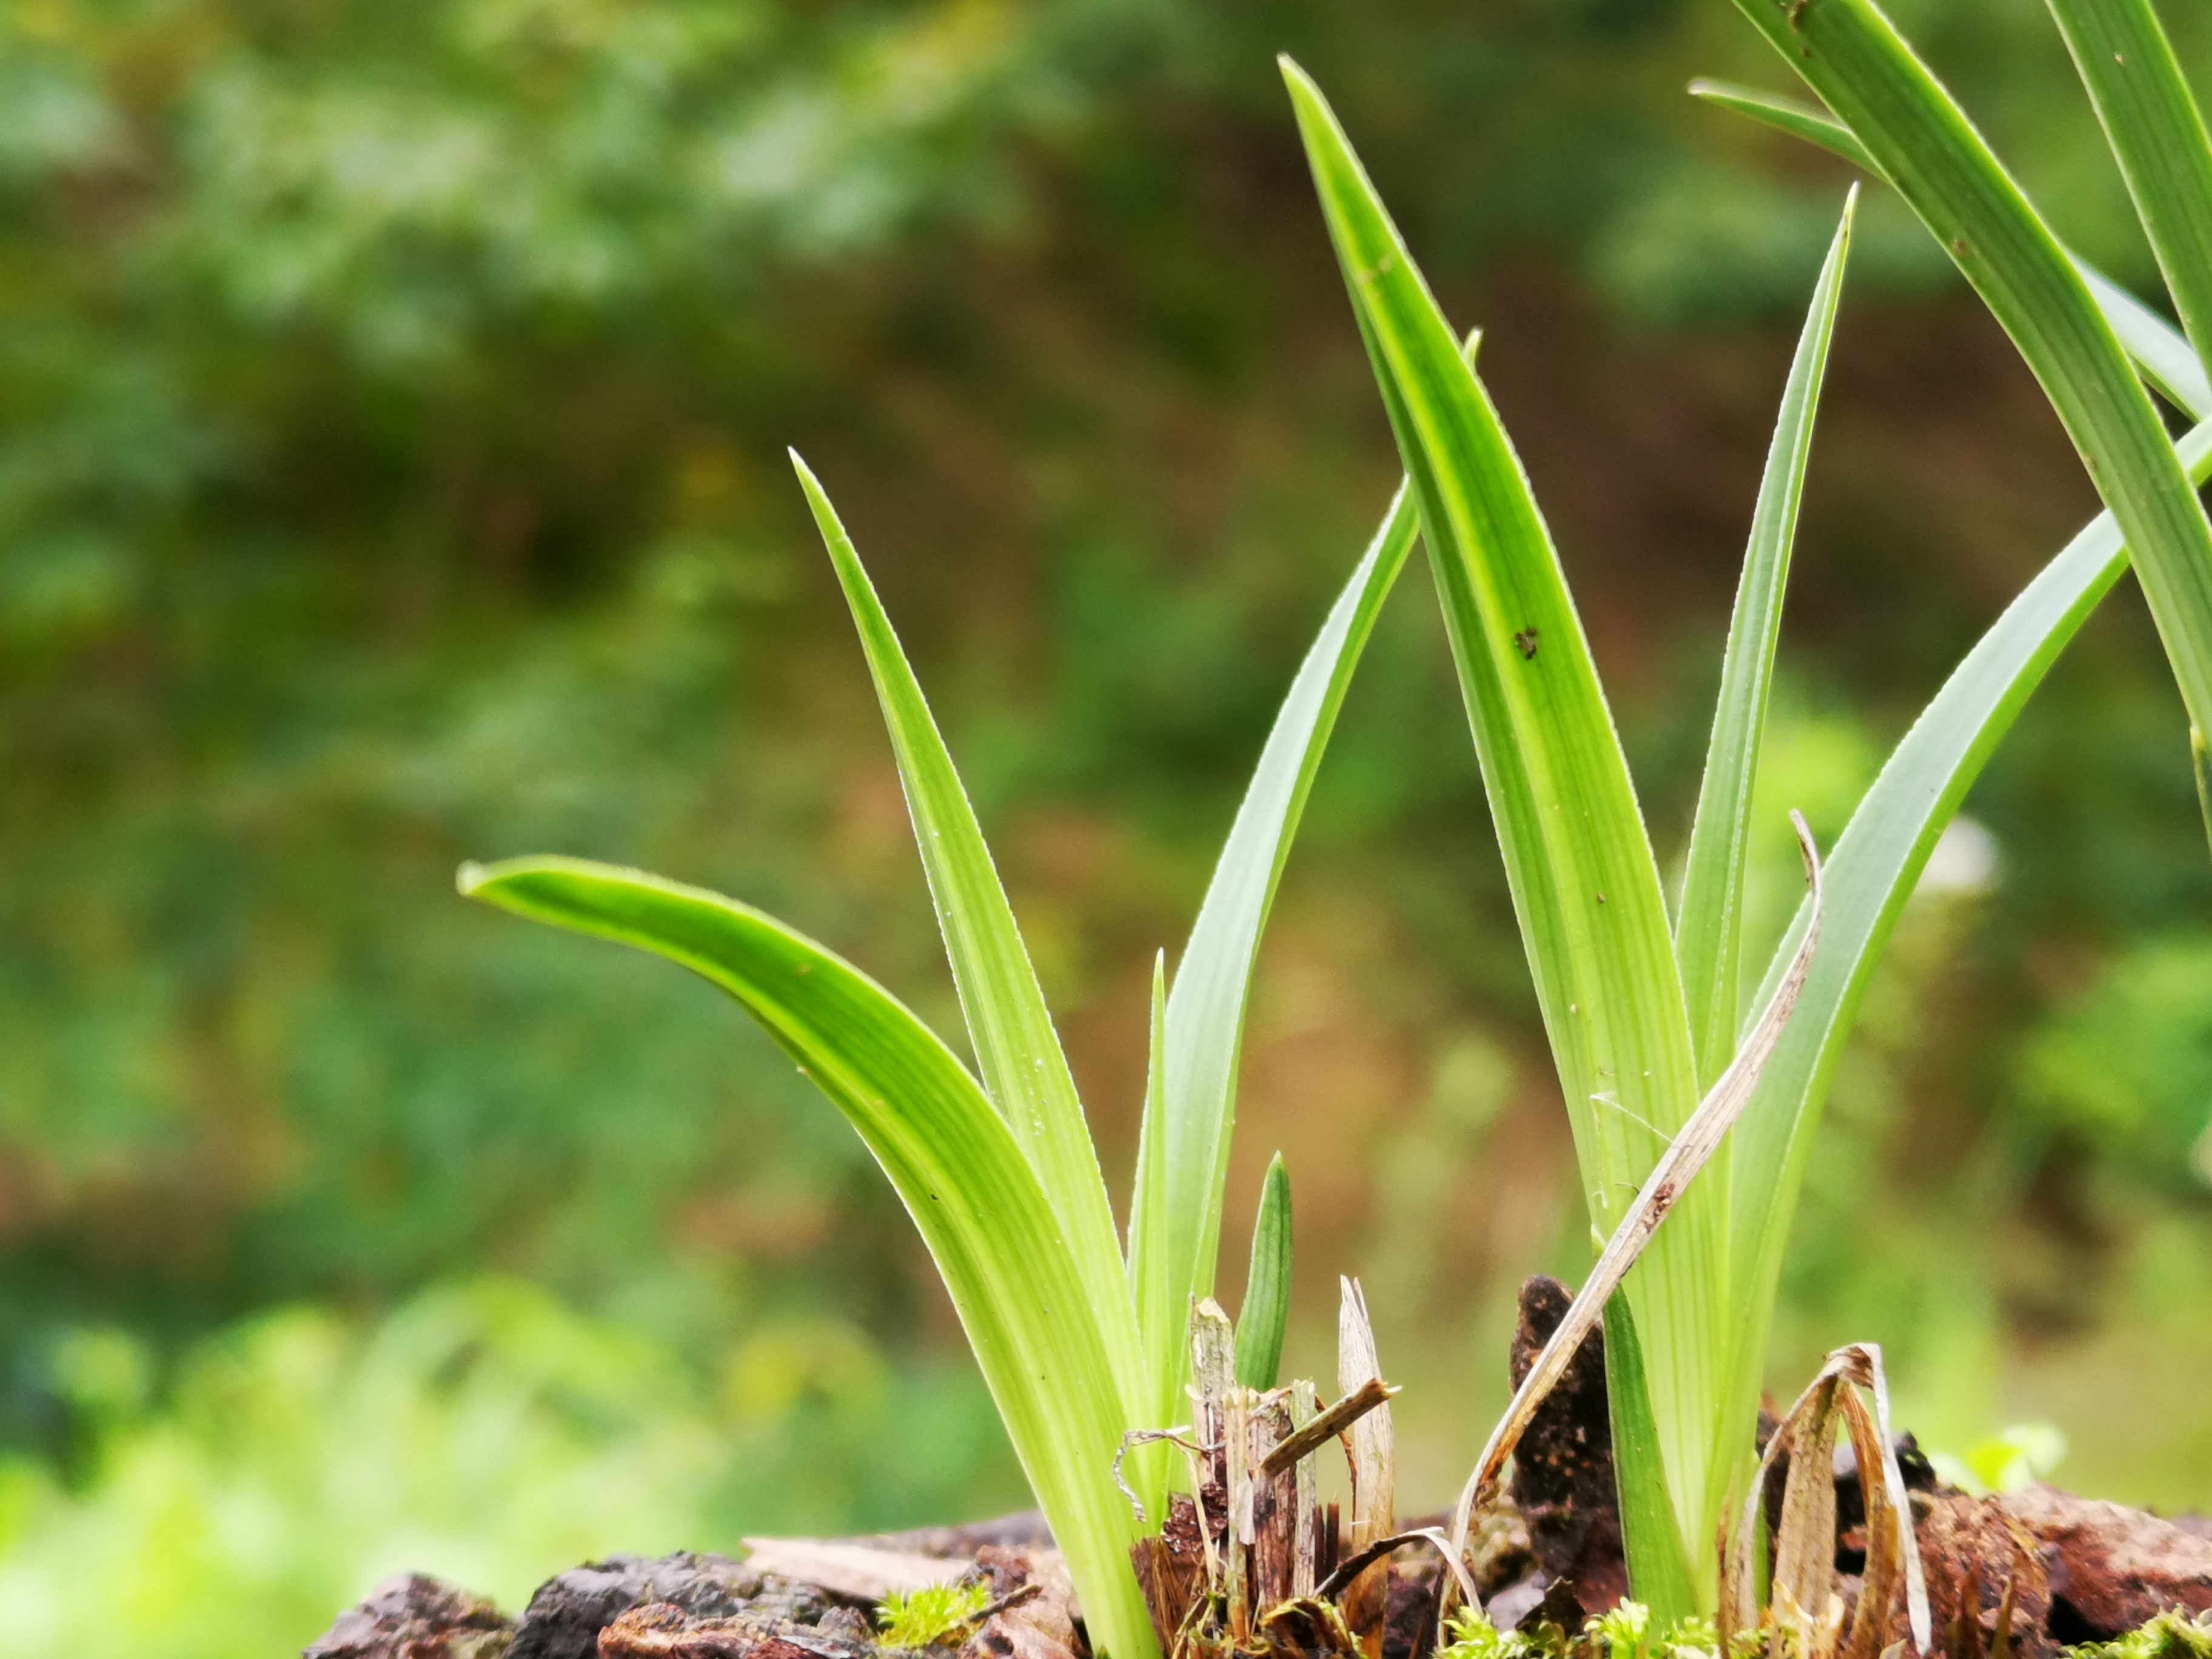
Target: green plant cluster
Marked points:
392	400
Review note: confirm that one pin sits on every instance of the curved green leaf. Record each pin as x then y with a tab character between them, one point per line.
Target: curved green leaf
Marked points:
2157	135
1042	1343
1709	932
1850	54
1182	1161
1871	873
1023	1066
2167	360
1585	886
1790	115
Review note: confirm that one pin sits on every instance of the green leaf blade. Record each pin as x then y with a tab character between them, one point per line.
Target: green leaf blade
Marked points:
2157	135
991	1229
1790	115
1266	1311
1852	57
1174	1223
1870	875
1585	886
2167	360
1023	1066
1709	932
1658	1564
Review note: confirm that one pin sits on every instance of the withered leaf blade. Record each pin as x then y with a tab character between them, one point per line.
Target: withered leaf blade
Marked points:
1807	1432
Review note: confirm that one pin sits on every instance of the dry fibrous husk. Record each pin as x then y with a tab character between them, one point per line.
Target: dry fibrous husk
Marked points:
1805	1604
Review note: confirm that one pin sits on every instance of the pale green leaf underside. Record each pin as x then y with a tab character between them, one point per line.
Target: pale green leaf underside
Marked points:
1024	1069
980	1207
1708	931
1585	886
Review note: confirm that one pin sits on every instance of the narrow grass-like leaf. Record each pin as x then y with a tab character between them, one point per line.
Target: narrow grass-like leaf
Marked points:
1686	1157
1023	1068
1657	1564
1266	1309
1709	931
2157	135
1585	886
1791	115
1651	1537
1862	68
2200	755
1042	1345
1175	1218
1870	874
2167	360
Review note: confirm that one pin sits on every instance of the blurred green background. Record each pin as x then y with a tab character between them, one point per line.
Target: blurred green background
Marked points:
392	401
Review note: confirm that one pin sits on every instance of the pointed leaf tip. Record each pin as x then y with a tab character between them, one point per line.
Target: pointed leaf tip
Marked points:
470	876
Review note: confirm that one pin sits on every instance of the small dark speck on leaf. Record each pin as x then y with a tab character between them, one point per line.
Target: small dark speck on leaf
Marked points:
1526	639
1601	898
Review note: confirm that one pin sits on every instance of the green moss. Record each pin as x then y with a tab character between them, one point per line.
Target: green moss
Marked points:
2168	1636
1623	1633
935	1614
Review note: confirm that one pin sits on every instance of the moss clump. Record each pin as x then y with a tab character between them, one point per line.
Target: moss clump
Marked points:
935	1615
2168	1636
1623	1633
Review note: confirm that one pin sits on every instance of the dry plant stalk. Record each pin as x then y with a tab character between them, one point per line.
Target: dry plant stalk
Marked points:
1249	1563
1374	1469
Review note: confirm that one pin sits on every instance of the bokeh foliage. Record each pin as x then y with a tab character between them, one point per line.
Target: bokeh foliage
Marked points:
391	406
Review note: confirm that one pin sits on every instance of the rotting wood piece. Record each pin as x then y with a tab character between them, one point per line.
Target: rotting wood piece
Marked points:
1274	1503
1563	1474
567	1611
1031	1615
2111	1568
661	1630
2077	1570
1170	1566
414	1616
